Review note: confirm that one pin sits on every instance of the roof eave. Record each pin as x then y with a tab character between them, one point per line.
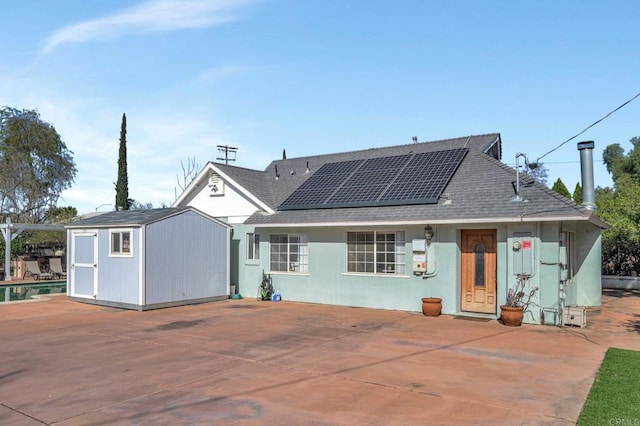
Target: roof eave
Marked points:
516	219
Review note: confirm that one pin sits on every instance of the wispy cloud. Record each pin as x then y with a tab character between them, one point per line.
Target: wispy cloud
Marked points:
150	16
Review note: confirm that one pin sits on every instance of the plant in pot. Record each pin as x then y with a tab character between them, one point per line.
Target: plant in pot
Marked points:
431	306
518	302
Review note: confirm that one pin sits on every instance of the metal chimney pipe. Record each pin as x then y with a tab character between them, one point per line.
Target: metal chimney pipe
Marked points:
586	167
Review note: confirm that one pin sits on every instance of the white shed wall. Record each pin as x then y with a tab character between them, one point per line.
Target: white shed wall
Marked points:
186	257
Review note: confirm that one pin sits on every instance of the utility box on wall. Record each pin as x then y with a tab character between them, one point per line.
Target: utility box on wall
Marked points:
574	315
419	256
522	248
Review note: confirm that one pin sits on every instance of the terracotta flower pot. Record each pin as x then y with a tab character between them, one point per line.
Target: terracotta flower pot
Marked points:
431	306
511	316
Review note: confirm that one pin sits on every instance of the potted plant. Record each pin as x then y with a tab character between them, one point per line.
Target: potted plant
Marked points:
518	302
431	306
265	290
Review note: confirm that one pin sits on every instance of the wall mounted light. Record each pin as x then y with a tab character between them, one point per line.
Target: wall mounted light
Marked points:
428	234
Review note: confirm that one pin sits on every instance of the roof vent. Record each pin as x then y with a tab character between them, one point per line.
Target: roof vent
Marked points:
215	184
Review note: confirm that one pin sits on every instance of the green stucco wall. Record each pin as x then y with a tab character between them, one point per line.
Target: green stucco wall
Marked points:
328	283
589	275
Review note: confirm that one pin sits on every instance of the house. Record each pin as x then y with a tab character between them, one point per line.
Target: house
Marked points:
146	259
384	227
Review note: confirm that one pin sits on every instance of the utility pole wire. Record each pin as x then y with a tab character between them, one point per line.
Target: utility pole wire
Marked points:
588	127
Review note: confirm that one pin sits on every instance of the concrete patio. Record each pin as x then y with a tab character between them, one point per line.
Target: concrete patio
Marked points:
250	362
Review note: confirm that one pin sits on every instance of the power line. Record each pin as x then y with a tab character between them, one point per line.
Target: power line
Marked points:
588	127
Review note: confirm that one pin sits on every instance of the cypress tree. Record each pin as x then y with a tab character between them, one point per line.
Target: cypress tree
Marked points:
122	186
284	154
561	188
577	194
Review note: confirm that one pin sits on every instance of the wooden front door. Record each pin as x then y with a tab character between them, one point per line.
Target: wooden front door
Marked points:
478	275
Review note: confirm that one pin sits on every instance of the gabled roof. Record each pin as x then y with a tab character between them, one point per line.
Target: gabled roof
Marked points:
480	191
134	218
252	183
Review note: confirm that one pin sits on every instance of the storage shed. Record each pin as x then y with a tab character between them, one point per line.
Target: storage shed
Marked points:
148	259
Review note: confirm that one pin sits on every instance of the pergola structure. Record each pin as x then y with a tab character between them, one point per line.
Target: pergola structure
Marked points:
12	230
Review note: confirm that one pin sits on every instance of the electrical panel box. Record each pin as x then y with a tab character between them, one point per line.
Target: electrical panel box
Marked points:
419	256
574	315
522	247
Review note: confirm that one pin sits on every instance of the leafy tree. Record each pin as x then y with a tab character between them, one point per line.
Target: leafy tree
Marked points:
577	193
284	154
560	188
18	246
539	174
620	207
615	161
35	165
122	186
26	240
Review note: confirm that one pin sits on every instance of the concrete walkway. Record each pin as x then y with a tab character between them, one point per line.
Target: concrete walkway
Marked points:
249	362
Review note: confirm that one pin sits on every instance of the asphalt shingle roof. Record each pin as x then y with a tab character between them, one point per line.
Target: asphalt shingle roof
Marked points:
256	181
481	189
128	217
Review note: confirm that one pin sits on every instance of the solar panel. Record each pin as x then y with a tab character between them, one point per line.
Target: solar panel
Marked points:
380	181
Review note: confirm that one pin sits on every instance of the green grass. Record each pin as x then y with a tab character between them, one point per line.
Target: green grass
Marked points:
614	398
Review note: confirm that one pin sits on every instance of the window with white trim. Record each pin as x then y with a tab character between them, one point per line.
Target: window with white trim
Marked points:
376	252
289	253
120	243
253	246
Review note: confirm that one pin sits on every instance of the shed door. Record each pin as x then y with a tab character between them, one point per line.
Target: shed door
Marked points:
478	276
84	268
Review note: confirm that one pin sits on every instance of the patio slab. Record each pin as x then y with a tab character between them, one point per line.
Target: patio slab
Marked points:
250	362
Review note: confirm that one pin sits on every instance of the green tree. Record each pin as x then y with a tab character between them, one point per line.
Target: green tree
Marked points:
122	186
284	154
620	207
539	173
560	188
35	165
138	205
577	193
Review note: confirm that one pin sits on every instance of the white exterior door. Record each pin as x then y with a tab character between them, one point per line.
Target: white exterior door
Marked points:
84	264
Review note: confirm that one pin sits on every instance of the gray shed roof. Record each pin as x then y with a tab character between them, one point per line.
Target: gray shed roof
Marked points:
134	218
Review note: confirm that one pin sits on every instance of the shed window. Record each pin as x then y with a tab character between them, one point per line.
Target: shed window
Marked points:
120	243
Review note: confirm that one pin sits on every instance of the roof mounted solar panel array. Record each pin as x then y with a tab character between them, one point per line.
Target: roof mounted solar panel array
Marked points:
382	181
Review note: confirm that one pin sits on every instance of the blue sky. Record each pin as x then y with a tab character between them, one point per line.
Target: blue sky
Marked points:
315	77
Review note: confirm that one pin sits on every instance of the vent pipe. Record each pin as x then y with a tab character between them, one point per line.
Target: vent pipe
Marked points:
586	167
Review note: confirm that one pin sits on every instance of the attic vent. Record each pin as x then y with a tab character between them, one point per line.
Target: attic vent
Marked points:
216	185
